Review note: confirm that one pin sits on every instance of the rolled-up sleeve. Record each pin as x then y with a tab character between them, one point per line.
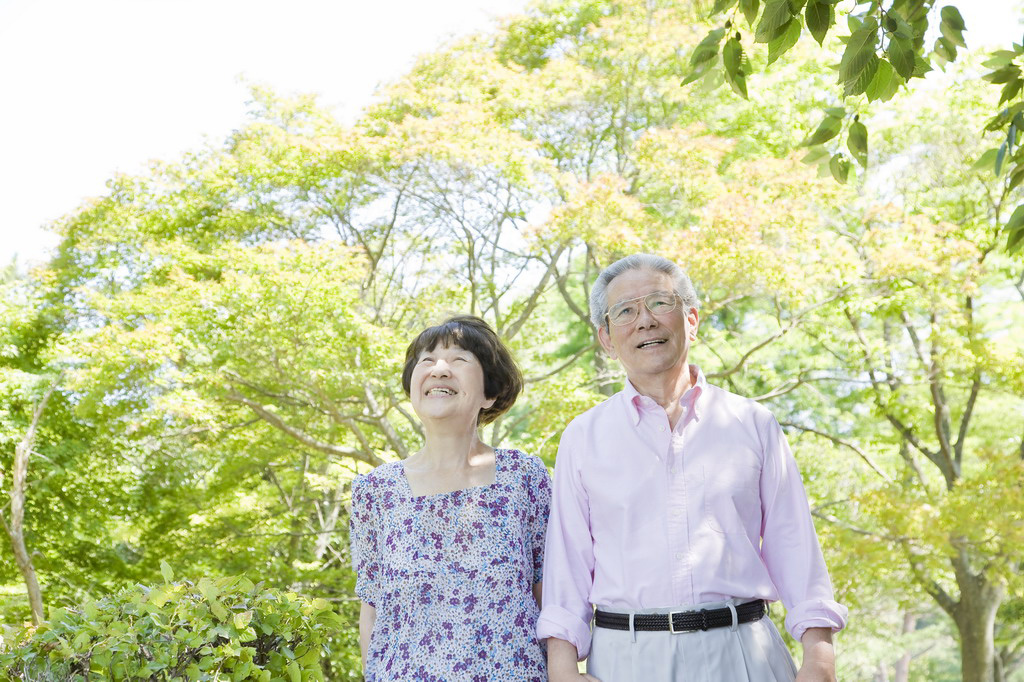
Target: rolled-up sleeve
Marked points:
363	536
569	553
790	548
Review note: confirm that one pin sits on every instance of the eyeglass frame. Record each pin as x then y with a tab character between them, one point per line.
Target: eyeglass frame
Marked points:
676	298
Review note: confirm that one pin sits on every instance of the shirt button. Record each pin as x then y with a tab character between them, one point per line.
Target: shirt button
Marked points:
679	556
661	428
674	470
677	512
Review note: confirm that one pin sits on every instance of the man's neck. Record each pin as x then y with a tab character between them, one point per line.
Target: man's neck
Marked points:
666	389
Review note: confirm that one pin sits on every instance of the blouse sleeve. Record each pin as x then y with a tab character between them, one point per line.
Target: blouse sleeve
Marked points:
363	536
540	506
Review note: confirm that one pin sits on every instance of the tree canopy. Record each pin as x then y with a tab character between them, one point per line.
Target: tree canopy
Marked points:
224	333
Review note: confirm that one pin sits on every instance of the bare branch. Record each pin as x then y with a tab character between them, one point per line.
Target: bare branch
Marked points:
531	303
302	437
576	356
965	419
793	323
842	443
15	528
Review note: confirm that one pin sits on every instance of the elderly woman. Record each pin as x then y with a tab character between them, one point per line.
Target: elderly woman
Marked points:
448	544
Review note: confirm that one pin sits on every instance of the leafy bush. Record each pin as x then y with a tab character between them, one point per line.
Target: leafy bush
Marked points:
218	629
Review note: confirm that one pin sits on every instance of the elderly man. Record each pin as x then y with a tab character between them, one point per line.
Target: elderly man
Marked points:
678	513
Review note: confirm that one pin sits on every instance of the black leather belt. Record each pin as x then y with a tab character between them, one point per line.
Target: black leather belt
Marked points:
682	621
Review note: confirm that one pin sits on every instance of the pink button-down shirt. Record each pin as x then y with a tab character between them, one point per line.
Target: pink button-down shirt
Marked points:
647	516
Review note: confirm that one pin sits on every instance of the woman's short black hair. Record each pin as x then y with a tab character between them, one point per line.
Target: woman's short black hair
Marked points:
502	379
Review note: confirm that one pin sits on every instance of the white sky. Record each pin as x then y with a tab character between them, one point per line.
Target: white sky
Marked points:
95	87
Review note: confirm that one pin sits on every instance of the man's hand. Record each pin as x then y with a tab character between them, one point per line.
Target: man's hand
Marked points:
819	664
562	663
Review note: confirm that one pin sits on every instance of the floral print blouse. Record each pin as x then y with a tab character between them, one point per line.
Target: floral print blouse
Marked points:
451	575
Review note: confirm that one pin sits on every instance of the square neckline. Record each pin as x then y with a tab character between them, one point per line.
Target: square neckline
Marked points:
498	467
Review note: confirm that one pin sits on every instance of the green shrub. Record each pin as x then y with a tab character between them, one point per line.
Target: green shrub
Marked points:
218	629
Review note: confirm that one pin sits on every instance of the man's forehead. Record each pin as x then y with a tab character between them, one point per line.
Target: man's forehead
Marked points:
634	283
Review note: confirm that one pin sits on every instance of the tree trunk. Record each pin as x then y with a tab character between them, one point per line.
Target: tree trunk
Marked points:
15	529
903	665
975	616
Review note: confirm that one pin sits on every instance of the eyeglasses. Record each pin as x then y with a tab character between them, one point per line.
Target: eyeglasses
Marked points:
626	312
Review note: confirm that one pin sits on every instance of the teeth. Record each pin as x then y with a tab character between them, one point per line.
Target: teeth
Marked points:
655	342
440	391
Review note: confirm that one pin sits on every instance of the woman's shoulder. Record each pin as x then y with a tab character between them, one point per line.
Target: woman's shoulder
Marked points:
525	464
381	476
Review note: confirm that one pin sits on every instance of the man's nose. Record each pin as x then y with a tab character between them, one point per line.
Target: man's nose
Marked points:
645	319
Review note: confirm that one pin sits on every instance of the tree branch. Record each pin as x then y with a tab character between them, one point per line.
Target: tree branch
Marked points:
302	437
794	321
842	443
965	419
15	528
576	356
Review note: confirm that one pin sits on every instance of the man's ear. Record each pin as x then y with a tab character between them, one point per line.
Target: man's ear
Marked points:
606	341
693	321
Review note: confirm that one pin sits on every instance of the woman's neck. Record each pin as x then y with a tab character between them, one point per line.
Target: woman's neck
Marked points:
450	449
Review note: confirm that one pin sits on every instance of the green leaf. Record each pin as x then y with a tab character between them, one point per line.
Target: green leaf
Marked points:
778	46
722	5
898	26
294	672
839	165
951	15
827	129
816	155
774	21
1016	177
242	620
901	54
859	62
867	74
944	49
820	16
1014	229
1003	75
749	9
159	595
1000	155
1011	90
732	60
166	572
952	35
698	73
218	609
921	66
857	143
884	84
707	49
999	59
986	161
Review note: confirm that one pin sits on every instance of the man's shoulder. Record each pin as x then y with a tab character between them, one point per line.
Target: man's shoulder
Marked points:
742	407
604	409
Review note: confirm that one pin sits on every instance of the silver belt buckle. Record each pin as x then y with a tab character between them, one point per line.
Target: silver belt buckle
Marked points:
672	624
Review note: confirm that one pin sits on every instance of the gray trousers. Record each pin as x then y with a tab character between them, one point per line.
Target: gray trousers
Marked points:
751	652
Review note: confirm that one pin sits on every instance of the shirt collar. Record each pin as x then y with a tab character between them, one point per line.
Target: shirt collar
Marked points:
692	398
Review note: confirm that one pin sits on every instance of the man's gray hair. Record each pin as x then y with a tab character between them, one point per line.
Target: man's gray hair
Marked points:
639	261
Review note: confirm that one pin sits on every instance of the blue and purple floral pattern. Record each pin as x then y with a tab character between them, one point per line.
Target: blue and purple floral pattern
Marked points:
451	575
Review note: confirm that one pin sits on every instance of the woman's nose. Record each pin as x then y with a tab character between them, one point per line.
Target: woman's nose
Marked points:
441	368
